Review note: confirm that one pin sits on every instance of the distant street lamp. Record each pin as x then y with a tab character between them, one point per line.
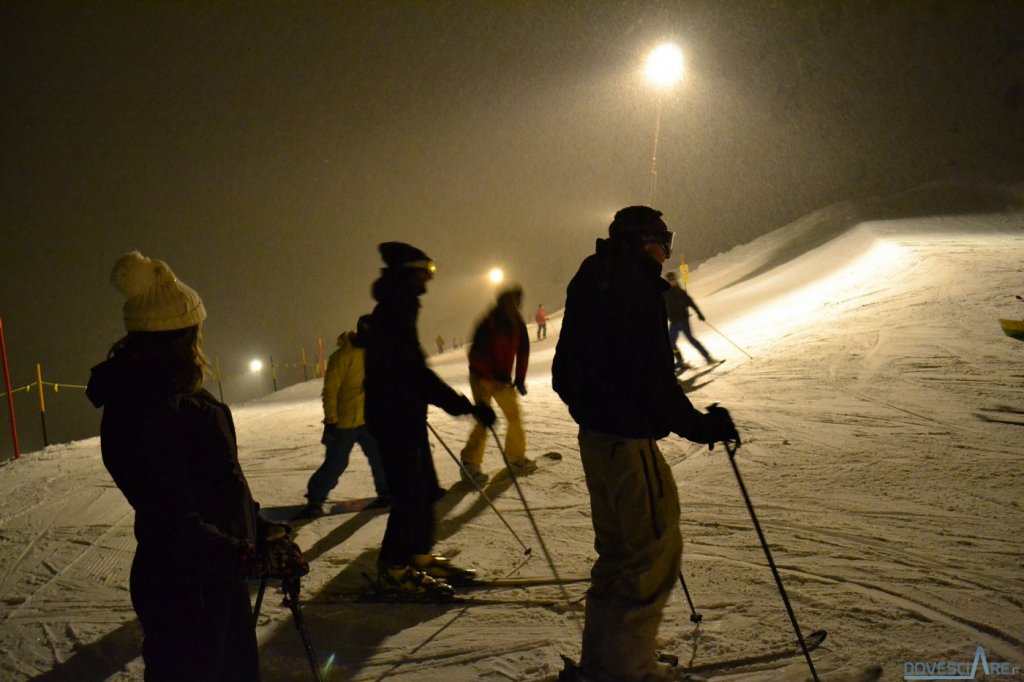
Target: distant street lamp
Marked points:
664	68
496	276
255	366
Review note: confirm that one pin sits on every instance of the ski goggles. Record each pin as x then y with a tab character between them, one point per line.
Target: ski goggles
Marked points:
427	265
664	238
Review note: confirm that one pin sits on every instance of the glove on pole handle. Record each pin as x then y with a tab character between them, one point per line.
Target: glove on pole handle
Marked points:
727	339
528	551
529	514
730	449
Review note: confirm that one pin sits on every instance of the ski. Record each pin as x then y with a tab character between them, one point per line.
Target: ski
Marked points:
813	641
371	597
474	584
503	583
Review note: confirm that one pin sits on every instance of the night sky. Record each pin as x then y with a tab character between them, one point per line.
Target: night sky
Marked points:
264	149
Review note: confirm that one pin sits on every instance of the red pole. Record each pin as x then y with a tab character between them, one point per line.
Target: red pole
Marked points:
10	396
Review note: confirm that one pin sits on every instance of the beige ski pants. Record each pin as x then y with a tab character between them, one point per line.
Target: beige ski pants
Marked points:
515	438
634	503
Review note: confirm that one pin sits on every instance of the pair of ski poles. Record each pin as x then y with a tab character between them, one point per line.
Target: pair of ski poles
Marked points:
527	551
730	448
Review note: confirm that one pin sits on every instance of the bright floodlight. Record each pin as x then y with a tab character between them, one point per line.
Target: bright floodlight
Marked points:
496	275
255	366
664	65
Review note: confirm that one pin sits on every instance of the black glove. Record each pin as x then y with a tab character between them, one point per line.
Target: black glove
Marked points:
520	386
330	433
700	317
484	414
718	427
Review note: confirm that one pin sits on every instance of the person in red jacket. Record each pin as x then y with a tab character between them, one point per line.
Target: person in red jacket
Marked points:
541	318
499	343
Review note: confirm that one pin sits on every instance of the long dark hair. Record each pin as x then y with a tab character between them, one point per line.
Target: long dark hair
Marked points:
174	358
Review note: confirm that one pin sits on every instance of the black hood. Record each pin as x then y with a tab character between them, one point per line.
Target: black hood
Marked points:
396	285
119	381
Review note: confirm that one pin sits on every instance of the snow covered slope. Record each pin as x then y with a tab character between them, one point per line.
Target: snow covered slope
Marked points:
893	508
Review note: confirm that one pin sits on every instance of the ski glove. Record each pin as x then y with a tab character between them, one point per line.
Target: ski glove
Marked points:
279	559
520	386
714	426
721	426
484	414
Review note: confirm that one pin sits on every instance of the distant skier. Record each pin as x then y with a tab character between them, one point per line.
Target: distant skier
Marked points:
170	447
344	423
499	342
541	318
399	386
678	304
612	368
439	341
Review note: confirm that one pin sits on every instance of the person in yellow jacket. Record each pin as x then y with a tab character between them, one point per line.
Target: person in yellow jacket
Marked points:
344	425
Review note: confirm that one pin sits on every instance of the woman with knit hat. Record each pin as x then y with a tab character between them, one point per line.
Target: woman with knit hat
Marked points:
170	447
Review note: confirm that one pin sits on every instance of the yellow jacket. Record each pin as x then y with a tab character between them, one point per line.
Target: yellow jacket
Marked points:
343	385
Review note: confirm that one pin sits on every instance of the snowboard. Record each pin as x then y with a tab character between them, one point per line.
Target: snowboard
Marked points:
1013	328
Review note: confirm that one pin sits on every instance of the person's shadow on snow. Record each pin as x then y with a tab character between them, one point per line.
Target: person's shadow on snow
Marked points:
101	659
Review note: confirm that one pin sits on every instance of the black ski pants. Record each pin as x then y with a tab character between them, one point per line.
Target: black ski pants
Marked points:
412	480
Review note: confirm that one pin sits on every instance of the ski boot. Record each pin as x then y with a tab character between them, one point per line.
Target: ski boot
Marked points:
313	510
406	583
470	474
441	568
523	467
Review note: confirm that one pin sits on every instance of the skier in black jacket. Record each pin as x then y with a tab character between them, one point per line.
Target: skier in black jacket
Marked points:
613	369
170	447
678	304
399	386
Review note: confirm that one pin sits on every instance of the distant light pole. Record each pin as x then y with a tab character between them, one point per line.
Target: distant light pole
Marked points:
664	68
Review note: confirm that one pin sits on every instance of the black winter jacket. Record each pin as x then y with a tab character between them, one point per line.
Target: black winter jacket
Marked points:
174	456
678	304
613	363
399	385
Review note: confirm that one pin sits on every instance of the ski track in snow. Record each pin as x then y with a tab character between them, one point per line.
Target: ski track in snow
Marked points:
894	515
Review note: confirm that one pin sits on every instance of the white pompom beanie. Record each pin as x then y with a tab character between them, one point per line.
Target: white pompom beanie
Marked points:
156	300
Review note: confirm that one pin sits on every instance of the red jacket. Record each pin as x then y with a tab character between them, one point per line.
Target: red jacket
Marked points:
497	345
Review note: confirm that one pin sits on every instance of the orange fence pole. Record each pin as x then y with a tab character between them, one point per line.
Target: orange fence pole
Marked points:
42	401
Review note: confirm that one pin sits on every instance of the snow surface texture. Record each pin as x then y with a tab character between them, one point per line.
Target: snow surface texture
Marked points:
893	512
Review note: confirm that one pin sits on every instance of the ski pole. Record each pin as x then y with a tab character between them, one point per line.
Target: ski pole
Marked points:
291	591
529	514
694	616
528	551
727	339
730	448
